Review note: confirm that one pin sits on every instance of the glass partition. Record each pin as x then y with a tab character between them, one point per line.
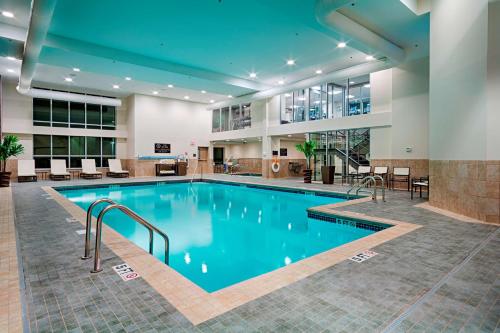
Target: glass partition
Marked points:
216	120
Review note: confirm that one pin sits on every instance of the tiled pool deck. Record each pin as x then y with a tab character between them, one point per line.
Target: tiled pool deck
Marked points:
443	276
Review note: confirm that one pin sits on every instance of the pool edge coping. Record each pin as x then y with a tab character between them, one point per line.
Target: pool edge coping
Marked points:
196	304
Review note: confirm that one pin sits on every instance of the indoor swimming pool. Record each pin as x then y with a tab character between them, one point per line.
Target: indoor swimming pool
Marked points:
222	234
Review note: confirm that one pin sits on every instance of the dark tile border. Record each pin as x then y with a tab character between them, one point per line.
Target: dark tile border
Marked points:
357	223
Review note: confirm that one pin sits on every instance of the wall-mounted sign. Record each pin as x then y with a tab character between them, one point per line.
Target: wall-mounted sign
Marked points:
283	151
162	148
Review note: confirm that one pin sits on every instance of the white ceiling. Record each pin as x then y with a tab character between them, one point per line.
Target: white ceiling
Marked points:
208	45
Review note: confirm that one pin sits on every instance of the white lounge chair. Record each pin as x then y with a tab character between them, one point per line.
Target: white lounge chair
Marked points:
58	170
26	171
89	169
115	169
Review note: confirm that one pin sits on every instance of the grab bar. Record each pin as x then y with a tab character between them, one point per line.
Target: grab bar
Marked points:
88	226
113	205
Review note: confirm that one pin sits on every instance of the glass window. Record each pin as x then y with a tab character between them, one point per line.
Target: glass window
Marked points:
77	145
93	146
108	146
109	116
75	162
60	113
93	116
335	100
41	144
246	115
224	119
60	145
77	115
299	105
42	162
41	111
235	116
287	108
216	120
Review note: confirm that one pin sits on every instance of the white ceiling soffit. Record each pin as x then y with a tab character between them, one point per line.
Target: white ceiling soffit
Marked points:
145	61
362	38
419	7
362	69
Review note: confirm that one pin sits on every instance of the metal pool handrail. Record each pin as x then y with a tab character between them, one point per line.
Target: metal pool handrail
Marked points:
151	228
88	226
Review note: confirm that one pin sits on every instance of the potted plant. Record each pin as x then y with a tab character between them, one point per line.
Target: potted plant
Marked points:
307	148
9	147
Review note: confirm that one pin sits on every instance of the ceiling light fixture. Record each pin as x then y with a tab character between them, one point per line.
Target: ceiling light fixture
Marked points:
253	75
341	45
128	78
370	57
75	69
68	79
186	97
229	96
290	62
170	86
115	86
11	58
203	92
7	14
10	70
287	95
319	71
155	92
212	101
367	85
350	96
281	82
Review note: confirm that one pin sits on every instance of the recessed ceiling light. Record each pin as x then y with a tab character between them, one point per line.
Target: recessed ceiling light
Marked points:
350	96
128	78
370	58
212	101
115	86
253	75
7	14
11	58
186	97
229	96
290	62
281	82
367	85
287	95
351	82
227	140
289	135
341	45
75	69
155	92
170	86
319	71
203	92
68	79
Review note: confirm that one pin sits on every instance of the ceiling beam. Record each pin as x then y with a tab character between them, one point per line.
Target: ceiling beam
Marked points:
73	45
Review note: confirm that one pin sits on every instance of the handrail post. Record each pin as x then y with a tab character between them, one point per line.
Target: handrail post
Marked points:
138	219
88	226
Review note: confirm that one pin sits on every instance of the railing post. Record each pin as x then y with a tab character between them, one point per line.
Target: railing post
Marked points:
98	232
88	226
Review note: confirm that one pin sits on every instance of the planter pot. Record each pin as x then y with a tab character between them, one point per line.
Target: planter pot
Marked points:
327	174
307	176
5	179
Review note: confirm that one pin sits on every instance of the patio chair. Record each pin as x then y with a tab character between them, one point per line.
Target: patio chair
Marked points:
115	169
381	171
399	175
26	171
89	170
419	183
58	170
360	173
166	168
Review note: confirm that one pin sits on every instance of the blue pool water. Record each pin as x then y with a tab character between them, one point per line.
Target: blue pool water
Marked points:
222	234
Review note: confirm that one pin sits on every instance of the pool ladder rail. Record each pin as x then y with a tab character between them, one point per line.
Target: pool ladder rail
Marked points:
363	187
98	231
